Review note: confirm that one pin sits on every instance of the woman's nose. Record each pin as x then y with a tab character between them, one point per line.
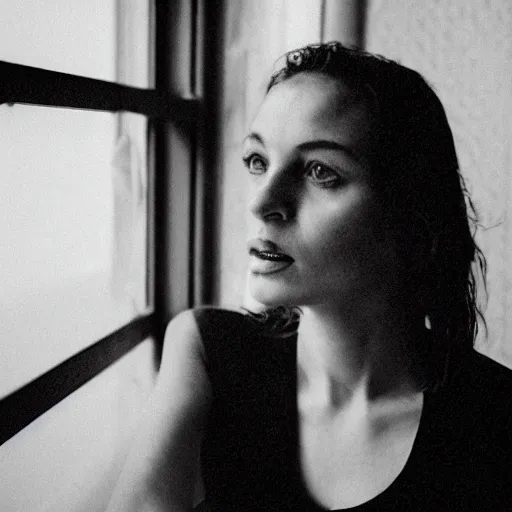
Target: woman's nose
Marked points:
273	197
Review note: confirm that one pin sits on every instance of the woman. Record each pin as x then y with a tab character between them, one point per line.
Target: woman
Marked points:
358	388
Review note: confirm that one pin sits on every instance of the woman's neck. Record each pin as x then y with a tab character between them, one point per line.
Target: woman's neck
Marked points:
342	355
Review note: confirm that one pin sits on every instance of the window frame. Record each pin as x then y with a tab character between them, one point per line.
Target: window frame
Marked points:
180	262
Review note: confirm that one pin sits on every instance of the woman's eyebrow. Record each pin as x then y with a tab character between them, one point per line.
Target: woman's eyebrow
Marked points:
310	145
327	144
255	137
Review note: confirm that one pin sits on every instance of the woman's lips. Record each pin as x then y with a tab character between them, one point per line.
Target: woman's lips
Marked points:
268	262
265	246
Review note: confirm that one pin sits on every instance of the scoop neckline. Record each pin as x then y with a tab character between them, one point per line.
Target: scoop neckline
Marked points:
400	479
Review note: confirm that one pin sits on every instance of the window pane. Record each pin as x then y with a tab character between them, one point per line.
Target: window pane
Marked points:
73	258
135	43
82	38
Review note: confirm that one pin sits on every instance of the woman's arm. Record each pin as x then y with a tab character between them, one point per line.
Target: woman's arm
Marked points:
162	466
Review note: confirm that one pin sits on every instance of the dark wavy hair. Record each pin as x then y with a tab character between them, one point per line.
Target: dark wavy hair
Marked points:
416	175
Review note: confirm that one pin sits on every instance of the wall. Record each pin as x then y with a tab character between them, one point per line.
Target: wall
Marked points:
464	49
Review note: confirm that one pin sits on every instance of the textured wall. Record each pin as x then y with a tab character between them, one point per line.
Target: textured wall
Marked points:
464	48
255	35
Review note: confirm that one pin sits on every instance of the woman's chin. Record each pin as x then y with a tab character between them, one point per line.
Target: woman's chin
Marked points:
269	294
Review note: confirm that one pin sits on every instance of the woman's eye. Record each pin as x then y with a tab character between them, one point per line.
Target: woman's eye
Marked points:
322	175
255	164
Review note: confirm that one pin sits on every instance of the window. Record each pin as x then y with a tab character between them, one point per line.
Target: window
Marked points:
103	196
73	259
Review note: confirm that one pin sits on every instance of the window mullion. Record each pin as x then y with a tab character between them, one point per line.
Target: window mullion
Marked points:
22	407
26	84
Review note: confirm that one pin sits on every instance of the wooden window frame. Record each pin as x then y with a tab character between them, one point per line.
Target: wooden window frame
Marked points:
180	259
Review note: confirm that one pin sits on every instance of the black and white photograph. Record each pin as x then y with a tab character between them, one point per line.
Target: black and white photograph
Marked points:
256	256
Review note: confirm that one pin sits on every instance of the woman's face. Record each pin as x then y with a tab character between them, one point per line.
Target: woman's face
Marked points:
315	229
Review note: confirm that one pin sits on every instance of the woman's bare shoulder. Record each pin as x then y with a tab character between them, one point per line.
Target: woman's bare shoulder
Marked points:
171	427
182	377
182	329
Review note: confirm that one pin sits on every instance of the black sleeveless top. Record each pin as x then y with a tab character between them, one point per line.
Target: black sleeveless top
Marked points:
461	458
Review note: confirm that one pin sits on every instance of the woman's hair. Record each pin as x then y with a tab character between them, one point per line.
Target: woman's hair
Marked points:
428	211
